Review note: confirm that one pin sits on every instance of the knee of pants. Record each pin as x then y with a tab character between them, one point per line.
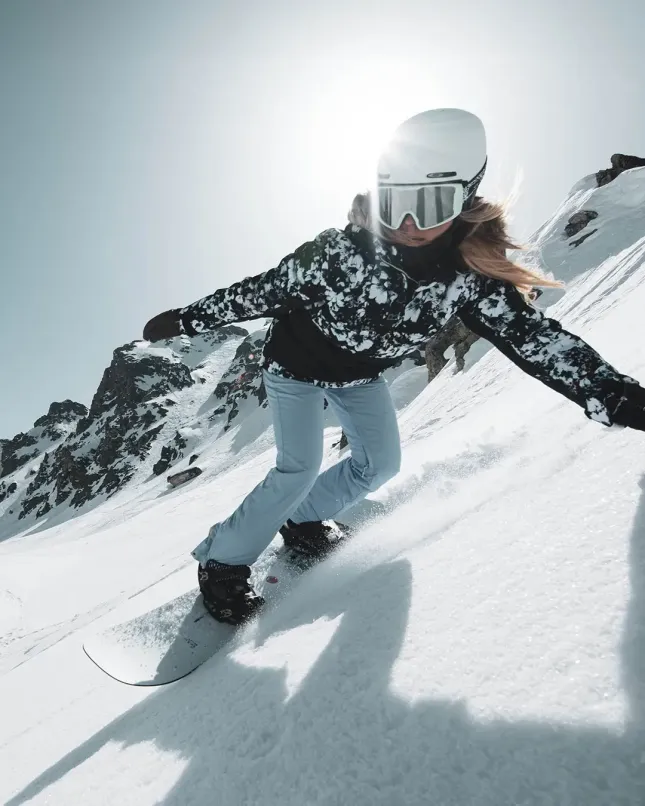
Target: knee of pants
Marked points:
302	461
302	476
308	478
375	476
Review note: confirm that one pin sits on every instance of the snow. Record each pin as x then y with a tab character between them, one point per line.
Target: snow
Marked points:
480	641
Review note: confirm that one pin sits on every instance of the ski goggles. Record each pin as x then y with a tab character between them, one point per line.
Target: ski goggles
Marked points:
429	205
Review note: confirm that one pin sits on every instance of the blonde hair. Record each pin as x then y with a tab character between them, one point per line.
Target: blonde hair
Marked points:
483	249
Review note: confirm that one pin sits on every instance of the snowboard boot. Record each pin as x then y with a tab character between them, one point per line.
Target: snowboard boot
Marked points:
228	597
312	540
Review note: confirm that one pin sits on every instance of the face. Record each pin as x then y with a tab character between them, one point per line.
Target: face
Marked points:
411	235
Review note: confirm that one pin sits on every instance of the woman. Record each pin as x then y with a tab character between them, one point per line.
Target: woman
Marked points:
419	249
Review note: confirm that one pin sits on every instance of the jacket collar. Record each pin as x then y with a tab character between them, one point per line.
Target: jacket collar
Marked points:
439	261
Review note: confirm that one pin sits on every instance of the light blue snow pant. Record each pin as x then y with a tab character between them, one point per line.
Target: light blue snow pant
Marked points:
294	488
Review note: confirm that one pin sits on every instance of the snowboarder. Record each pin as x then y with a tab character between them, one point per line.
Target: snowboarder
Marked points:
420	247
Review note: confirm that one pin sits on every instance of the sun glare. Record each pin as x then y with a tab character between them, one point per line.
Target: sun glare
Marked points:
354	114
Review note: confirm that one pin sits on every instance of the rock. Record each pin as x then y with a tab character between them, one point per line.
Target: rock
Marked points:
170	453
60	421
186	475
624	162
15	453
97	451
241	382
605	176
7	489
133	378
110	440
455	334
619	163
579	221
60	413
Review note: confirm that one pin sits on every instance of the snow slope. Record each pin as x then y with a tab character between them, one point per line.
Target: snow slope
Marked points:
481	640
619	224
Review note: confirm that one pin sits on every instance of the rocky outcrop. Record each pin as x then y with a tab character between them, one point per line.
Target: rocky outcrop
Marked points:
60	414
579	221
242	383
77	455
7	489
16	453
455	334
125	417
132	379
342	442
176	479
60	420
619	163
170	453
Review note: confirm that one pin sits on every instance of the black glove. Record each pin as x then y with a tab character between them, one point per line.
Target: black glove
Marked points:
630	407
166	325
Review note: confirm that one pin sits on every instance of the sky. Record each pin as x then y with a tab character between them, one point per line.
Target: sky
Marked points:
153	151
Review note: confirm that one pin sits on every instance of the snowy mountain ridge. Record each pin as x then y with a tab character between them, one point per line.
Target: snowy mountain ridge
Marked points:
149	410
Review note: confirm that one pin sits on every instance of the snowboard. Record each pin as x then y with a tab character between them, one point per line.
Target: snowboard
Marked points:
167	642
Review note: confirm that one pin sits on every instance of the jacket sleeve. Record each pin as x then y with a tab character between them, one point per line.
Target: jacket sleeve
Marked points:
542	348
297	282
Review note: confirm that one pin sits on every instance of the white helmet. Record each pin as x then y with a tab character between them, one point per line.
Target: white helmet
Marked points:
431	168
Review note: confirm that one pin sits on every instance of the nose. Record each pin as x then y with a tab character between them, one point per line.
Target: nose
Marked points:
408	225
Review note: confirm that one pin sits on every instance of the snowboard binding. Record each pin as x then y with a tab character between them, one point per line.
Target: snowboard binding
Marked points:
227	594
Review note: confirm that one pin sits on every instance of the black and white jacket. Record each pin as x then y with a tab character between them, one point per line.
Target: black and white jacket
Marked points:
347	305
